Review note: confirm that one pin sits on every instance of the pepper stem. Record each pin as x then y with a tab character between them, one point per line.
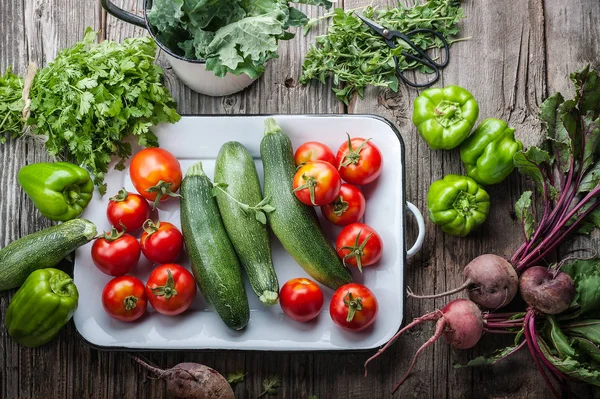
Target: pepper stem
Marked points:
465	203
59	286
130	302
72	193
354	305
447	113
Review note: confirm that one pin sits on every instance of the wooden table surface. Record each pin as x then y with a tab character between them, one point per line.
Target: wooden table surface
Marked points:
520	52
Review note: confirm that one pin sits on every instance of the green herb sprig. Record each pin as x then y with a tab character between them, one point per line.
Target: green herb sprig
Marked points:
357	57
89	99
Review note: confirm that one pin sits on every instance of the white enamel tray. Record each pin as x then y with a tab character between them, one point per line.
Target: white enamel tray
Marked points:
199	138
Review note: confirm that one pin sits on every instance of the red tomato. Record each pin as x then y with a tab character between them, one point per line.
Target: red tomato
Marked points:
153	171
317	183
348	207
161	242
124	298
127	210
359	161
171	289
116	253
301	299
313	151
359	245
353	307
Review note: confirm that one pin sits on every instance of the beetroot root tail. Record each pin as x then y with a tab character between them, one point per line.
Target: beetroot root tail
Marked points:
439	329
435	315
463	287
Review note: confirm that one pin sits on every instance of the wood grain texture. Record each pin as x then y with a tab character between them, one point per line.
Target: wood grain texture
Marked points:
521	51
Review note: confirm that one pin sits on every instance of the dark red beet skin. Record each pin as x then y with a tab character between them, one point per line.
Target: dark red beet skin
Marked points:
546	290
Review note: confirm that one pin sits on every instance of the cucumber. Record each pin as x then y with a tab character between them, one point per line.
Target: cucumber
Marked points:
295	224
214	263
250	238
42	250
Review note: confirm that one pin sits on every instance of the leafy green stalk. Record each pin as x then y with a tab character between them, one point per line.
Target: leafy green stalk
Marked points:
11	106
357	57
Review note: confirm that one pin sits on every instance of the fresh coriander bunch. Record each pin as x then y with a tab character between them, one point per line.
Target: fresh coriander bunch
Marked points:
92	96
357	57
11	106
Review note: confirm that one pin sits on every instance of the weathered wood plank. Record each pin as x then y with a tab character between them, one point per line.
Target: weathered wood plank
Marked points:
505	71
33	31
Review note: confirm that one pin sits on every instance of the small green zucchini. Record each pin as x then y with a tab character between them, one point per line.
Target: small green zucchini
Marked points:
295	224
214	262
238	194
42	250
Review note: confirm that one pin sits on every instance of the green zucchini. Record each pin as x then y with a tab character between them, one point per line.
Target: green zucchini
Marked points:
214	263
42	250
239	187
295	224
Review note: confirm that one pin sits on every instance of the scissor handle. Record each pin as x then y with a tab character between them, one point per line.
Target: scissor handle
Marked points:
434	67
422	53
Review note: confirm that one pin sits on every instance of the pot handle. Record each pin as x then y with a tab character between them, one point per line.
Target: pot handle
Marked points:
122	14
421	223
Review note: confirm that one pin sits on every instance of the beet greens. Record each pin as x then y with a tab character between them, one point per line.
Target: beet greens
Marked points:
565	169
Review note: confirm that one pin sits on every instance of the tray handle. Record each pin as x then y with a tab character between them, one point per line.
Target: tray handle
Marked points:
421	223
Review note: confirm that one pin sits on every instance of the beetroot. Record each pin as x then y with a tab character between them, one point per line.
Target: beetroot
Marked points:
460	322
547	290
491	282
192	381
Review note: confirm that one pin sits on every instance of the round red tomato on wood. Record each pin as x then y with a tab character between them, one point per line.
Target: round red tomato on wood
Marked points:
161	242
353	307
124	298
349	206
301	299
171	289
317	183
128	210
313	151
156	174
359	245
116	253
359	161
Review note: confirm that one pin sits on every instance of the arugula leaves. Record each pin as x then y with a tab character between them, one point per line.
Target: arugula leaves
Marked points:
357	57
233	36
89	99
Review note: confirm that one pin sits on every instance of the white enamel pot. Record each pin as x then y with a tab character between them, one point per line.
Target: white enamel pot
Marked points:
192	73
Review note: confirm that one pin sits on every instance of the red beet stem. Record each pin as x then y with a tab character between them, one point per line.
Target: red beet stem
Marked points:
529	318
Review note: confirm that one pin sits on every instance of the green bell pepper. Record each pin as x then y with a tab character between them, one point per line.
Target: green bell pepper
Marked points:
445	117
488	152
60	190
458	204
41	307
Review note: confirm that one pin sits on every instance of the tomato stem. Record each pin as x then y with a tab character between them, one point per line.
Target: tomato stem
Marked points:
168	290
150	228
354	305
130	302
311	184
121	196
353	156
161	189
357	251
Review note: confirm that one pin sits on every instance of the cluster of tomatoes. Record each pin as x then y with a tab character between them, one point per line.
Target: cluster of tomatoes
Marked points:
170	289
318	182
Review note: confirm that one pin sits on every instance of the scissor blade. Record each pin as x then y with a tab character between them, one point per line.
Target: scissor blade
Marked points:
372	24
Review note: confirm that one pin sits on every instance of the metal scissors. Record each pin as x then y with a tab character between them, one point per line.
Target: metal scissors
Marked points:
390	37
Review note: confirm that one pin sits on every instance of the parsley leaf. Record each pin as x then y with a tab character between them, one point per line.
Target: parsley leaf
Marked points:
91	97
236	377
270	385
11	105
